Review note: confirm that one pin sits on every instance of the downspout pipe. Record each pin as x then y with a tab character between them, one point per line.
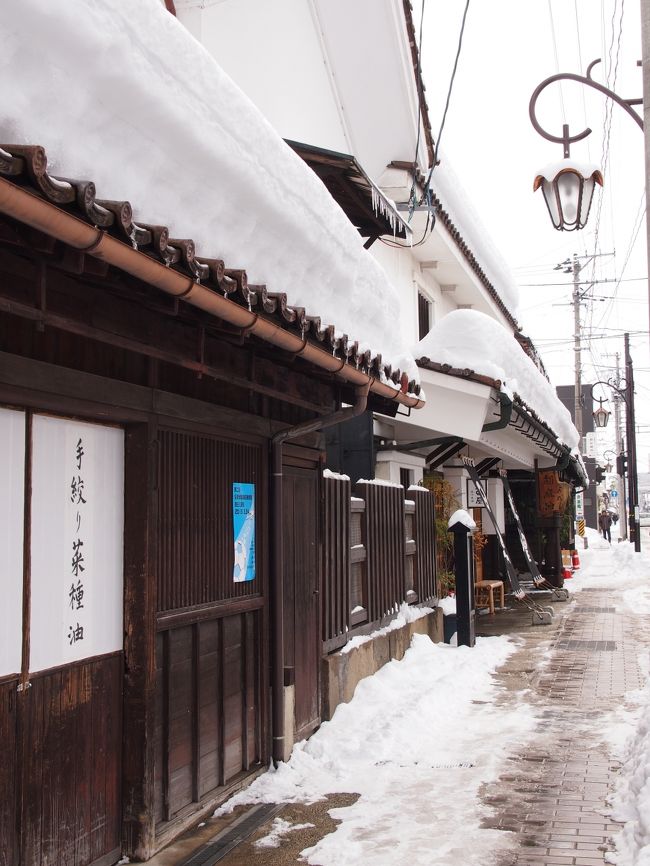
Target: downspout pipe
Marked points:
505	408
277	561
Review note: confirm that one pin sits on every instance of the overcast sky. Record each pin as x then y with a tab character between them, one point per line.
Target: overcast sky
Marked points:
509	47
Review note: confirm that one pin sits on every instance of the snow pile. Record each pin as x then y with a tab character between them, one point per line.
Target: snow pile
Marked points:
131	101
461	516
336	476
470	339
412	744
406	614
278	831
448	605
631	803
459	206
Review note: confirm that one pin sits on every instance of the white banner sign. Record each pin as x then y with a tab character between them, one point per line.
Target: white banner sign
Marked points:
77	541
12	516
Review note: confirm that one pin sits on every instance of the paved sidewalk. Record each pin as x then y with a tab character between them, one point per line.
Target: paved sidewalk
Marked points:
555	796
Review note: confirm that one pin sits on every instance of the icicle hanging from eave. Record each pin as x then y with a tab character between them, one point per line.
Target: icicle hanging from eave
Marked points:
381	207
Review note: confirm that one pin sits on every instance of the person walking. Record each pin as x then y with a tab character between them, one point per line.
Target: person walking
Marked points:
605	523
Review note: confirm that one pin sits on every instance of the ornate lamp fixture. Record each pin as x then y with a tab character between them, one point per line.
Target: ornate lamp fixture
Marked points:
568	187
601	415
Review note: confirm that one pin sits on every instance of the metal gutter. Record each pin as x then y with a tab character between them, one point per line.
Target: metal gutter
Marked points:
27	208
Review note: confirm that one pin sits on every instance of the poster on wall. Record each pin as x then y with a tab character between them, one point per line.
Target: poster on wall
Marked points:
243	524
12	516
77	512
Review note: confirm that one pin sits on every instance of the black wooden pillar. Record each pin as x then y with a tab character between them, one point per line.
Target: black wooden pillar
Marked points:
464	570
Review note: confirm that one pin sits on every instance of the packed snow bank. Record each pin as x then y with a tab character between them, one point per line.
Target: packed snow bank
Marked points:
470	339
411	743
120	93
407	613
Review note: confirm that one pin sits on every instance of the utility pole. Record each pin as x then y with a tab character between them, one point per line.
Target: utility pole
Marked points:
577	348
619	448
630	425
576	298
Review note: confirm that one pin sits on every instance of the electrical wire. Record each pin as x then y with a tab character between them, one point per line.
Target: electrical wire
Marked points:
436	150
426	193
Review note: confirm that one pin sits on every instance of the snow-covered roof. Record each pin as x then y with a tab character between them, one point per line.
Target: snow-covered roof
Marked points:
471	340
447	187
131	100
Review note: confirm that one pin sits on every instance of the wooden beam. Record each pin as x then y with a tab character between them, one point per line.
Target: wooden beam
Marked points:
140	557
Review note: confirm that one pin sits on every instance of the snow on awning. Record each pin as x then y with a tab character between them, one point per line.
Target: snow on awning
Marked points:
366	206
471	341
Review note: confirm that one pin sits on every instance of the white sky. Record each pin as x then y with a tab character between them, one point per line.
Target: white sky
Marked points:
509	47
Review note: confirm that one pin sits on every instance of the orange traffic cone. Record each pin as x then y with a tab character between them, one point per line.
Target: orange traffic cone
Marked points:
575	560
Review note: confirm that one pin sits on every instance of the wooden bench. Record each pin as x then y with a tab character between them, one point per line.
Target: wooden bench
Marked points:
484	589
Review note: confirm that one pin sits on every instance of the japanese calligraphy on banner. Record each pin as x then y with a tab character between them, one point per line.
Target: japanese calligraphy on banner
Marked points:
77	541
243	524
552	493
12	497
473	498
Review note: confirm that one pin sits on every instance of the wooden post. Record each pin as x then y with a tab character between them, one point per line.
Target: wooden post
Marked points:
464	569
140	509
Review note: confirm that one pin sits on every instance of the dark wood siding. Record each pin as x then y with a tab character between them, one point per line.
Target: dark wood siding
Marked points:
209	715
71	757
336	556
385	545
8	780
195	528
301	589
390	556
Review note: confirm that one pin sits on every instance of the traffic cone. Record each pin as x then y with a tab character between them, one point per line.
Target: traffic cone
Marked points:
575	560
567	574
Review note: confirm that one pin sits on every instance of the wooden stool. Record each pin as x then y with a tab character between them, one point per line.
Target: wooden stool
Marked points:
482	587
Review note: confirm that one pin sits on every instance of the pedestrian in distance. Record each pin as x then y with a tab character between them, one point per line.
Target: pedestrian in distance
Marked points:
605	523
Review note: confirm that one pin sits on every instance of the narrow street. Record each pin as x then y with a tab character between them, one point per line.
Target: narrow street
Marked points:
512	760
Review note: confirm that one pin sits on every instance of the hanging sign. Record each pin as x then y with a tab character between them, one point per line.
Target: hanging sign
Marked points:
12	498
243	524
474	500
553	494
517	591
77	514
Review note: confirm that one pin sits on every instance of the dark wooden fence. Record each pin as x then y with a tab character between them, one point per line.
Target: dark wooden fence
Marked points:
379	551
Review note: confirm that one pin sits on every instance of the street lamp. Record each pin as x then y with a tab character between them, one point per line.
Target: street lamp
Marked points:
601	417
568	186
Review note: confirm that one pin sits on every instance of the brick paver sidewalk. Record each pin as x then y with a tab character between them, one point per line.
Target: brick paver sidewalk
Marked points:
554	797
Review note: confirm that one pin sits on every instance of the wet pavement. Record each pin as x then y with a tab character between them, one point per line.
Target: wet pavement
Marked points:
553	799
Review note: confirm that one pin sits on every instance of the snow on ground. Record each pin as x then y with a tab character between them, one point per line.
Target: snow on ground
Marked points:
406	613
469	338
279	830
627	574
411	744
131	101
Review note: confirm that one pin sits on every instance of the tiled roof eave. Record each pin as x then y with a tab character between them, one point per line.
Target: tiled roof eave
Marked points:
70	211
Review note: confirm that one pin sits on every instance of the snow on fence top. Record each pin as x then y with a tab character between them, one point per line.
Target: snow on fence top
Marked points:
470	339
131	100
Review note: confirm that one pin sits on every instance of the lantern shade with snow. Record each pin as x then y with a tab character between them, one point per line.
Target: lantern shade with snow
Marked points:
568	189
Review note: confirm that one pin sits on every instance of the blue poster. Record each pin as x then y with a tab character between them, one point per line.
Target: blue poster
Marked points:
243	524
